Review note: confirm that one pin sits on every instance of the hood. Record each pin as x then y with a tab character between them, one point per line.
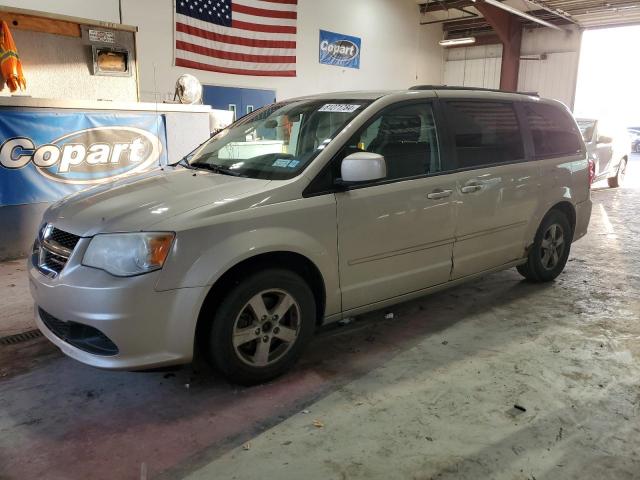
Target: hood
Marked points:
138	202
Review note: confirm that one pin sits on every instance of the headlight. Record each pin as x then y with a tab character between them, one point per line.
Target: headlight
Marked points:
128	254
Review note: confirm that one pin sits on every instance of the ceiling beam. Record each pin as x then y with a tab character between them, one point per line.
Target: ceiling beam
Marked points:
515	11
444	5
555	11
509	29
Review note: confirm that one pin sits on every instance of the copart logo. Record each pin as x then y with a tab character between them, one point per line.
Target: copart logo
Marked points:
341	50
87	156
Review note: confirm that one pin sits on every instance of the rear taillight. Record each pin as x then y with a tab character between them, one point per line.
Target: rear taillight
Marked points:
592	171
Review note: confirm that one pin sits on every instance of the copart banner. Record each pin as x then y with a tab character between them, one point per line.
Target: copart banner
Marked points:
46	155
339	50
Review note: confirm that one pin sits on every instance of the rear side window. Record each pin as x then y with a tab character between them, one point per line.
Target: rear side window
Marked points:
485	133
553	131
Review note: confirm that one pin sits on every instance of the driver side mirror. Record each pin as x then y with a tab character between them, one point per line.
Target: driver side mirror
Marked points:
604	139
363	167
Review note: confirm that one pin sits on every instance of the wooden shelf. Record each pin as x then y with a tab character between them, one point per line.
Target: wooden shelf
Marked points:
21	21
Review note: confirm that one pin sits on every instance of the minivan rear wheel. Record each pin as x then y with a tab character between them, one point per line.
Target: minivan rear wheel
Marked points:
261	327
550	250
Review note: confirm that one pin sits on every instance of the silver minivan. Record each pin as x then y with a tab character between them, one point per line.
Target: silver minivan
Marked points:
305	212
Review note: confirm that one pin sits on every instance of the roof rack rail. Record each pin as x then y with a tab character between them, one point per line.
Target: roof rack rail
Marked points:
472	89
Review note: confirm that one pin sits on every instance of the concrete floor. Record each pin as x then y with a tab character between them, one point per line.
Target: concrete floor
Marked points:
428	394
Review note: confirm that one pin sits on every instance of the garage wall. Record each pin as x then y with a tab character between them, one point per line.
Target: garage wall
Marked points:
473	66
61	67
104	10
554	77
396	51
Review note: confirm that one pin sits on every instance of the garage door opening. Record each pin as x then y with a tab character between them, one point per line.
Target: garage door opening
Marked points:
607	86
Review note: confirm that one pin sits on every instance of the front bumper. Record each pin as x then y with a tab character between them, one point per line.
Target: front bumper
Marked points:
150	328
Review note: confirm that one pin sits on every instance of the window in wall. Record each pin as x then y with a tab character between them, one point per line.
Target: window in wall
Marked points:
554	132
485	133
405	136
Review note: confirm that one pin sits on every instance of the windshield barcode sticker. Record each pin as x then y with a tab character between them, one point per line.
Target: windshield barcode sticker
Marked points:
339	107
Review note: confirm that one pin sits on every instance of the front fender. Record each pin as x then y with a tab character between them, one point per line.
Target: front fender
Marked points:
306	226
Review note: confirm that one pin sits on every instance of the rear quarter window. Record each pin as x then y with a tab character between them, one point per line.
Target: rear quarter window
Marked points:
554	132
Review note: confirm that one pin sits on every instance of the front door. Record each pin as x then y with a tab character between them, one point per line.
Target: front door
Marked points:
396	236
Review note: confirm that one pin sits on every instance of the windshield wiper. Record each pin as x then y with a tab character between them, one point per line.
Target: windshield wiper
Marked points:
184	162
216	168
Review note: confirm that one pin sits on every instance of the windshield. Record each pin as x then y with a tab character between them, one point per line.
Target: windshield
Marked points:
586	127
276	142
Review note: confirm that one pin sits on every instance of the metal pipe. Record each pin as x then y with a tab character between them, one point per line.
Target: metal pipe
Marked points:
520	13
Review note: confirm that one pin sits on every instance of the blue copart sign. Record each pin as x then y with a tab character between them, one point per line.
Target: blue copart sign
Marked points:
340	50
45	156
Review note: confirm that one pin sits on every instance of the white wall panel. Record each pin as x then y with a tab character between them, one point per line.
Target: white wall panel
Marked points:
554	77
474	66
101	10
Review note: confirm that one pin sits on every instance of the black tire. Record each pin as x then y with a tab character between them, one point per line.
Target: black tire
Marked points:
539	266
235	362
615	182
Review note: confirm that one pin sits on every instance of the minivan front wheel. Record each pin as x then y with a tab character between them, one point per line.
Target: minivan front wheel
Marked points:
550	250
261	327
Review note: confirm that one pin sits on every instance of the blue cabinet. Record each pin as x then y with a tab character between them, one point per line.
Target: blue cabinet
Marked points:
239	100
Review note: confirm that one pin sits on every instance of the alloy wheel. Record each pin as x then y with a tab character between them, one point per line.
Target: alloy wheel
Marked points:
266	328
552	246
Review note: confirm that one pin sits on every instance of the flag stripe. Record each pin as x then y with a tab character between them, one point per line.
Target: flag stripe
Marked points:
243	17
221	62
288	2
180	62
246	47
254	27
283	7
261	12
219	29
242	57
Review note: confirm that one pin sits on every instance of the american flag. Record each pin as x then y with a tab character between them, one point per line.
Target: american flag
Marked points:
242	37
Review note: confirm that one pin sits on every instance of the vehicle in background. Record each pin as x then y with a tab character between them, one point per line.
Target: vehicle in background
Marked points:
609	147
303	213
635	140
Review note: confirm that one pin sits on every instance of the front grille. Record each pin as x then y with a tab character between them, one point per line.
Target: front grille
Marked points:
53	249
67	240
81	336
53	262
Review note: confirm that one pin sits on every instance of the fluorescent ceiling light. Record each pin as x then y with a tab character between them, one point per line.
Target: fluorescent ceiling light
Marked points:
451	42
520	13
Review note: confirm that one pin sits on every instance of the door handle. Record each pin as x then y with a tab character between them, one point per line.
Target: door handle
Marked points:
436	194
471	187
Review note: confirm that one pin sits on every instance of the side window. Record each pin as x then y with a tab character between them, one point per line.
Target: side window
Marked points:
485	133
553	131
405	136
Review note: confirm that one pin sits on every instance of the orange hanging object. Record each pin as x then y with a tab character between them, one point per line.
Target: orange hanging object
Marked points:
10	65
